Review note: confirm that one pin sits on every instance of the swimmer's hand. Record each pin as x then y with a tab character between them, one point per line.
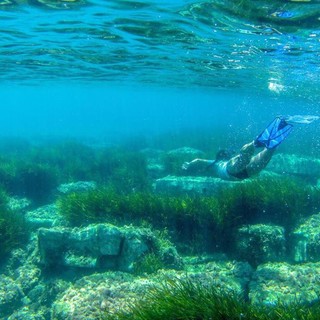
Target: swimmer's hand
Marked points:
198	165
185	165
192	164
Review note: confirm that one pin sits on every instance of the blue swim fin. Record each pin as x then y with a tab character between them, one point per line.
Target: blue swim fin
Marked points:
274	134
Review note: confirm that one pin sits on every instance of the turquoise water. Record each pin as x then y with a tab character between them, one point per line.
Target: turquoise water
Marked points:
216	44
69	67
116	95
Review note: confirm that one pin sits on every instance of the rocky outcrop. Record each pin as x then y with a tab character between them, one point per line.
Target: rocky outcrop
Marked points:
192	153
199	185
307	167
18	204
79	186
260	243
160	163
306	240
155	165
110	292
46	216
10	295
281	282
174	185
99	246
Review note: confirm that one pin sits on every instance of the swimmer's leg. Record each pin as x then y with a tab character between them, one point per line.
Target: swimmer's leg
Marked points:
242	160
259	161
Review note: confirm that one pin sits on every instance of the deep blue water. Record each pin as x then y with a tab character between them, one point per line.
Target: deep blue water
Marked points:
115	68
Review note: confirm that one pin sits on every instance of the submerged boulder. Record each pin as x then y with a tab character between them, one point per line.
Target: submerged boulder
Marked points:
18	204
107	293
98	246
187	151
175	185
10	295
201	185
260	243
306	240
281	282
305	167
79	186
174	159
46	216
155	165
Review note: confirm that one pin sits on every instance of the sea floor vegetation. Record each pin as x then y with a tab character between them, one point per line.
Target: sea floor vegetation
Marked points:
197	220
114	185
13	231
192	300
34	171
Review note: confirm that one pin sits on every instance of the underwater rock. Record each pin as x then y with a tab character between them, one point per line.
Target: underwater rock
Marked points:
155	169
27	276
22	265
101	292
10	295
173	160
160	163
46	216
110	292
281	282
79	186
24	294
187	151
155	165
98	246
16	203
306	240
305	167
175	185
26	314
230	276
260	243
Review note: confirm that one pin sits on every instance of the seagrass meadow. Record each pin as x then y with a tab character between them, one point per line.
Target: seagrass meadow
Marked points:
159	160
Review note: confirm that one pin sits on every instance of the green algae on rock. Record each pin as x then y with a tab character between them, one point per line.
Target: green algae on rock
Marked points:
13	232
109	293
275	283
175	185
46	216
260	243
306	240
79	186
100	247
10	295
189	297
304	167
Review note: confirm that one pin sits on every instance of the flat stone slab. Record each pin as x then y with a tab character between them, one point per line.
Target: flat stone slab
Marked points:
281	282
111	292
187	151
295	165
45	216
202	185
175	185
79	186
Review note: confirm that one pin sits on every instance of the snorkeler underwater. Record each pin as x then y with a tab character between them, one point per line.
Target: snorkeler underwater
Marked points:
159	160
246	164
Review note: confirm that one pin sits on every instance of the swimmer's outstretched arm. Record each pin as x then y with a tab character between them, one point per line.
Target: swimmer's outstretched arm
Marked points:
197	165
